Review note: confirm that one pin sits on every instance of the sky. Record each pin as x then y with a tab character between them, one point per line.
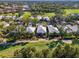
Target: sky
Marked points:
39	0
56	0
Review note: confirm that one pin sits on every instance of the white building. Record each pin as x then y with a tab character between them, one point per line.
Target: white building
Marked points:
20	17
25	7
1	16
13	17
52	29
77	22
31	17
70	28
41	29
30	29
46	18
8	17
5	24
39	17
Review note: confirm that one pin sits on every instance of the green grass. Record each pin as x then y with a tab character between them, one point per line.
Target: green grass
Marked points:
67	12
39	45
26	15
8	52
49	14
70	11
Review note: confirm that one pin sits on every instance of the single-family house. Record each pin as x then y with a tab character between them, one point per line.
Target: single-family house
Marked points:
8	9
25	8
77	22
39	17
13	17
46	19
30	29
8	17
20	17
14	8
70	28
31	17
52	29
41	30
1	10
5	24
1	16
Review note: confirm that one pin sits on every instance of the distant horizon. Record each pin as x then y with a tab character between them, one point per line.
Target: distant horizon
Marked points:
39	0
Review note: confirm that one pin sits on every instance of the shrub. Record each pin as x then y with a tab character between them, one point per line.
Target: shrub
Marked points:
34	38
17	54
46	53
1	40
10	40
54	44
64	52
75	41
61	51
38	54
26	52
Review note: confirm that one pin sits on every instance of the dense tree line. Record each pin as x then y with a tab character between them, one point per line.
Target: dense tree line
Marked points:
40	8
43	7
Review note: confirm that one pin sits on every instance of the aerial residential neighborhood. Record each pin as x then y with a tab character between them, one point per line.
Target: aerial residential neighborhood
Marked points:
39	29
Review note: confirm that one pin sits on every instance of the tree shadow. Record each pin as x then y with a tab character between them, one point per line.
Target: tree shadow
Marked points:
5	47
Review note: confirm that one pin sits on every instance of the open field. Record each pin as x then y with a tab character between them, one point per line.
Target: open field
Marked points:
41	44
8	52
67	12
70	11
49	14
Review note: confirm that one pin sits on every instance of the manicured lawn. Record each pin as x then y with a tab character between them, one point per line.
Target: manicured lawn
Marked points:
8	52
67	12
70	11
49	14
